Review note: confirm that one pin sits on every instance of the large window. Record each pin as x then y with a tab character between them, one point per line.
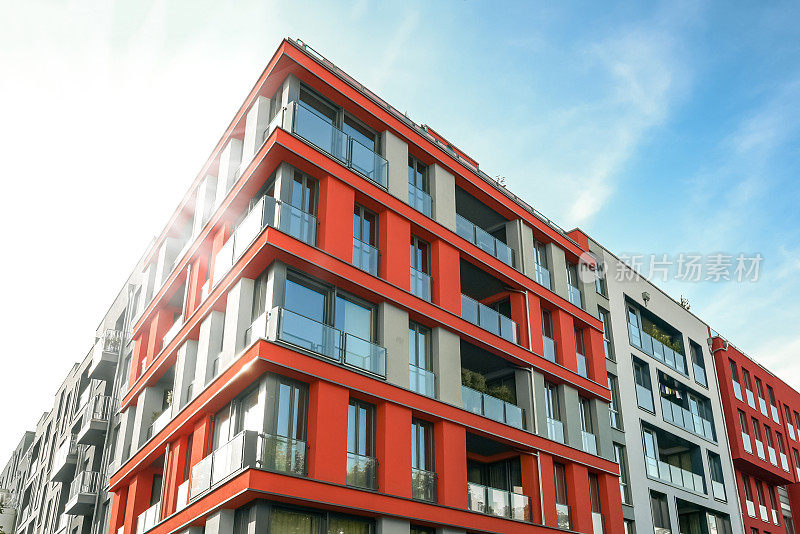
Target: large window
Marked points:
419	346
562	501
594	494
613	406
290	521
418	186
624	484
423	478
365	240
605	318
644	388
420	268
717	477
548	342
555	427
660	509
698	364
361	464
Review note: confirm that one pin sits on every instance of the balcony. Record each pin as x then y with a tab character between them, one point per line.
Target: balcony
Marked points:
319	132
775	415
555	430
575	295
268	211
685	419
748	447
737	390
105	354
498	502
182	498
491	407
664	354
282	454
598	523
563	516
173	331
673	474
488	319
484	240
82	493
362	471
94	420
238	453
589	442
582	369
365	257
64	460
421	381
421	284
423	485
149	518
543	276
322	339
419	200
160	422
549	345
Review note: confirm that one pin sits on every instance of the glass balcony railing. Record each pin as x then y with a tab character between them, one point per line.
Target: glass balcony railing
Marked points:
172	332
589	442
684	418
582	369
327	341
183	496
362	471
737	390
421	381
98	408
773	457
282	454
748	447
320	132
160	422
751	399
575	296
674	475
760	449
488	319
598	523
700	375
421	284
149	518
644	398
784	462
563	516
497	502
365	257
644	341
549	345
419	199
543	276
775	415
218	465
555	430
762	404
718	490
491	407
484	240
790	430
762	510
751	508
775	517
268	211
423	485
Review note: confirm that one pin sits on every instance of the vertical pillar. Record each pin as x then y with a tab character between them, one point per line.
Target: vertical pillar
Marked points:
238	317
395	240
564	330
197	278
229	161
395	151
185	368
539	403
446	274
220	522
548	484
201	440
447	365
140	345
529	465
204	203
519	313
579	501
535	323
394	449
148	404
393	333
209	346
117	516
138	499
523	383
558	269
392	525
174	475
611	503
159	325
450	461
255	126
327	432
336	203
595	353
570	409
443	191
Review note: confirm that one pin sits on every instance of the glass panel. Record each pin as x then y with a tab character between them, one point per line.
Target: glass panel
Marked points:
293	522
287	455
421	381
420	284
365	257
319	130
309	334
361	471
298	223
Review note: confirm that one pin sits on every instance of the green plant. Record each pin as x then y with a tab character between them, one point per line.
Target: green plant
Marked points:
501	392
473	379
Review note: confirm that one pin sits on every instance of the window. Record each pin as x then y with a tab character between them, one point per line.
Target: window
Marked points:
773	404
748	493
584	407
365	240
759	388
423	479
760	494
613	406
304	193
594	494
698	365
797	421
548	342
155	489
419	346
629	527
717	478
573	291
605	318
644	388
746	379
660	510
361	445
600	285
421	530
418	186
420	255
562	502
555	428
540	259
773	505
580	353
622	461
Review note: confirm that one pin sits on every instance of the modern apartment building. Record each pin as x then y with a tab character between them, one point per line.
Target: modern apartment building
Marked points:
763	417
667	422
56	477
346	326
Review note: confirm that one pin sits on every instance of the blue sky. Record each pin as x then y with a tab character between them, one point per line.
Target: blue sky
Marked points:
655	127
